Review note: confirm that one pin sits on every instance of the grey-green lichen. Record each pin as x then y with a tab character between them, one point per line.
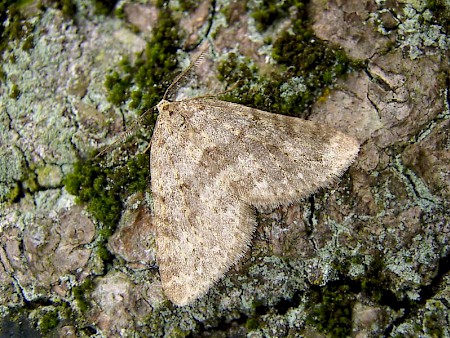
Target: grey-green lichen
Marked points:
430	321
41	132
12	171
421	27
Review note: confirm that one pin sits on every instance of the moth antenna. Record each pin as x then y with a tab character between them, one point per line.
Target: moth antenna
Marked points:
187	72
127	133
148	147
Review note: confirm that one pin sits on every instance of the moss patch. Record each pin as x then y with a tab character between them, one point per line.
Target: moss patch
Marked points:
18	28
331	310
103	189
441	11
251	324
267	12
67	7
151	73
188	5
81	294
307	66
104	6
49	321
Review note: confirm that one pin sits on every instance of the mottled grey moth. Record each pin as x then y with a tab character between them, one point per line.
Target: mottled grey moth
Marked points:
211	163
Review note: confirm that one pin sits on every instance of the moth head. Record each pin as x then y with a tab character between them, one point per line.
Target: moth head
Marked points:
162	105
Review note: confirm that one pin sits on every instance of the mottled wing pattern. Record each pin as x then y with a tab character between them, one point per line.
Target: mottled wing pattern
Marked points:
210	162
266	159
202	228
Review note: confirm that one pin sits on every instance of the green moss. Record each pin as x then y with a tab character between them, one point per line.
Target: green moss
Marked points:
21	3
101	250
441	12
12	31
118	87
49	321
14	193
81	294
119	12
103	190
269	11
151	73
307	66
434	321
331	310
251	324
374	283
179	333
161	3
104	7
188	5
235	70
276	92
15	92
30	184
28	43
18	28
68	8
330	307
308	57
89	182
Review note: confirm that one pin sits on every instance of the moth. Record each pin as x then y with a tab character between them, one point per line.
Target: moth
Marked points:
212	162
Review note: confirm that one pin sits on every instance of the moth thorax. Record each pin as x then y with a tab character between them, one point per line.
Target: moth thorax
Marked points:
162	105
